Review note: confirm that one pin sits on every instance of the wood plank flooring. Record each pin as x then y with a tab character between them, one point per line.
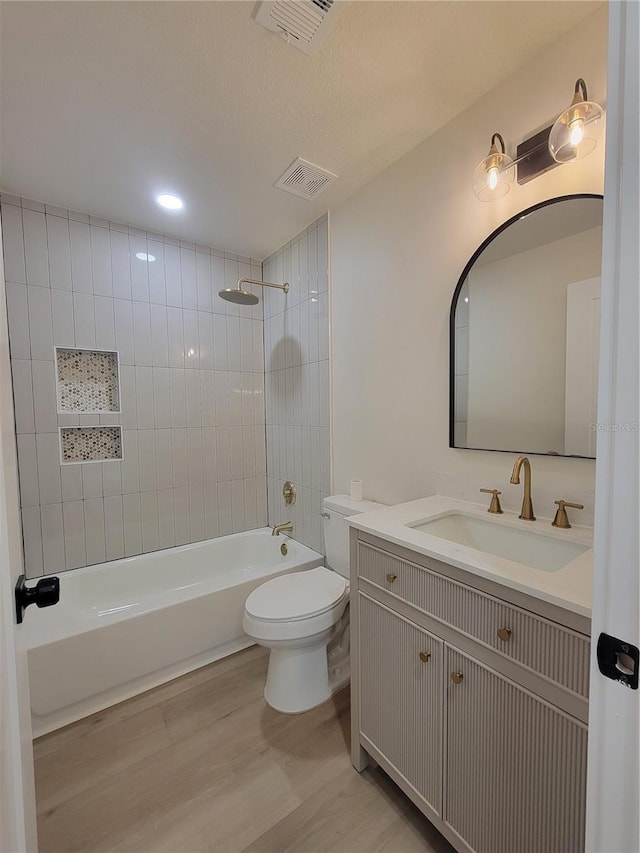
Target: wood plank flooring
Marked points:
203	764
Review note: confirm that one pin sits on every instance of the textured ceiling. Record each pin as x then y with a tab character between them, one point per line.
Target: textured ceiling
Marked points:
104	104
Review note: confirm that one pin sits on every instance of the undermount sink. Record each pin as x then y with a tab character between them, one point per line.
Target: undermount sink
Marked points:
536	550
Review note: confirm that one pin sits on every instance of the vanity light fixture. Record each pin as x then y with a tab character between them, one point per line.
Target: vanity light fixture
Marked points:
576	131
493	176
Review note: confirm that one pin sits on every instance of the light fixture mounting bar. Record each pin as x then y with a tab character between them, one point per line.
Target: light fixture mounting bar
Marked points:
533	157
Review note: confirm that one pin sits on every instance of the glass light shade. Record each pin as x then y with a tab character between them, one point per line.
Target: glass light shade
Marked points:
493	176
577	131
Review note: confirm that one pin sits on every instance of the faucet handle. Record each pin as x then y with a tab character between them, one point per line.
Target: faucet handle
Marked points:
561	518
494	507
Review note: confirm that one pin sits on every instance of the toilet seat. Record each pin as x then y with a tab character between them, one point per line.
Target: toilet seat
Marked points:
297	596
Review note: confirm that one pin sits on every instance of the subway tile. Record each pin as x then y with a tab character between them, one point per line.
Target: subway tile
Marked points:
223	453
250	503
142	333
44	396
118	227
207	397
209	455
71	478
128	397
91	480
205	341
159	336
23	395
233	343
323	256
179	457
123	314
220	350
172	275
132	524
248	452
175	327
62	315
111	478
32	539
7	198
196	513
101	261
188	278
149	517
161	412
120	268
147	460
80	242
164	463
74	540
237	506
210	510
166	528
145	397
217	284
40	322
262	502
235	399
203	280
258	346
130	470
52	539
177	391
181	515
84	320
139	269
101	223
237	453
18	317
48	455
323	326
246	398
52	210
13	244
105	323
35	248
78	216
157	284
193	398
28	470
222	400
94	531
113	527
191	343
194	456
225	521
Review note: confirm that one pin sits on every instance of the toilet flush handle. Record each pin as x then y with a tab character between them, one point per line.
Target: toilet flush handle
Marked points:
324	515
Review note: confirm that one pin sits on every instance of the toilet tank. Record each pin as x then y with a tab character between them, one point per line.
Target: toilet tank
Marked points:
336	530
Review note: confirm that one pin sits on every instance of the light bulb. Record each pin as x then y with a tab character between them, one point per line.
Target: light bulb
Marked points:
492	178
576	134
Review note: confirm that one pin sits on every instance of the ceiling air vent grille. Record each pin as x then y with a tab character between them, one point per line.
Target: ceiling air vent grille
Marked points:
305	179
302	23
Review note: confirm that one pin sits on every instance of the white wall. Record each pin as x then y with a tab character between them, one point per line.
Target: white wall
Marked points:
398	248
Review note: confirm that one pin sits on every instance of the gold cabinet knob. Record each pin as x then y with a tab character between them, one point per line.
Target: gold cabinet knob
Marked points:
424	656
504	634
391	578
456	677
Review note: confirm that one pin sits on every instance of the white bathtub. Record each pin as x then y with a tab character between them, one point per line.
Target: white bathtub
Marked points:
128	625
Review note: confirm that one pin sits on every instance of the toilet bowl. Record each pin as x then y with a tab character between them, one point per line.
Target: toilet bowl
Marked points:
303	618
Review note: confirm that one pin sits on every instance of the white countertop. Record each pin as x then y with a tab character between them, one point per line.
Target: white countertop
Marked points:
568	587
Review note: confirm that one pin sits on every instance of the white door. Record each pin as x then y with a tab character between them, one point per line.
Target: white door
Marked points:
17	793
613	765
582	349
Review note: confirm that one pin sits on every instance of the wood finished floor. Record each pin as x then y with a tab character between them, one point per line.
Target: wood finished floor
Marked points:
203	764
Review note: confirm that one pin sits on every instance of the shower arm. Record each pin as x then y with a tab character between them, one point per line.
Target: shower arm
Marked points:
242	281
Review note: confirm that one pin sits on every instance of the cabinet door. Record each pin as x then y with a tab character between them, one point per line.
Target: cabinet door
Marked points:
401	696
515	767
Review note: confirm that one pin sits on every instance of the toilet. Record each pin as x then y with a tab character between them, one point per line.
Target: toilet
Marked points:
303	617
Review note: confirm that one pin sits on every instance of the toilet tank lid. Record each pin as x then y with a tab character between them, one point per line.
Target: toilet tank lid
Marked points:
345	506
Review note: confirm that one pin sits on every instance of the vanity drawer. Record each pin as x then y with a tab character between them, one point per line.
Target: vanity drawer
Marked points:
543	646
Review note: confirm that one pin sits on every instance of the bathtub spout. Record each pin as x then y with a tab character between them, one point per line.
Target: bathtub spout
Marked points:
280	528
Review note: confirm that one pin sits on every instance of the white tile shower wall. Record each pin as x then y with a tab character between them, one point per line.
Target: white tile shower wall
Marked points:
191	382
296	339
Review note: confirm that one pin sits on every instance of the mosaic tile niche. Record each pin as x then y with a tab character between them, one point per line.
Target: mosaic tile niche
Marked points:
90	444
87	381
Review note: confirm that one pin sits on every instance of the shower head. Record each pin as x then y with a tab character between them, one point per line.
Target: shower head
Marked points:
244	297
240	297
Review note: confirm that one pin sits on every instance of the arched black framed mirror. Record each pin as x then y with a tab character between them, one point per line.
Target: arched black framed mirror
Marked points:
524	333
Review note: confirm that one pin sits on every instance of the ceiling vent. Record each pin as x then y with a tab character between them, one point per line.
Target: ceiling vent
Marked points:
302	23
305	179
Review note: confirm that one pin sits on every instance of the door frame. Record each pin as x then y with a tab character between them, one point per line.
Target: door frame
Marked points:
613	775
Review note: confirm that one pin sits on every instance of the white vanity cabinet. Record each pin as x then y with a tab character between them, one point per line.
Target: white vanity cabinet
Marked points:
472	697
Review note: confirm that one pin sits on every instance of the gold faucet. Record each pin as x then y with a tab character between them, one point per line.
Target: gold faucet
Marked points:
527	507
279	528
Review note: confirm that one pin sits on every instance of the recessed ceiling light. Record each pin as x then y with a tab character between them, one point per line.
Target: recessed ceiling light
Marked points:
143	256
171	202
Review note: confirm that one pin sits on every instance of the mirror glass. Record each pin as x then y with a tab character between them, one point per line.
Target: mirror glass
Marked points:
525	320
